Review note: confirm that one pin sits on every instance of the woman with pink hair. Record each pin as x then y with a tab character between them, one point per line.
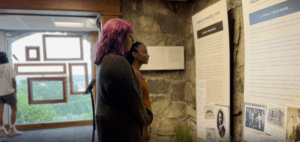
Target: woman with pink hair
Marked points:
120	113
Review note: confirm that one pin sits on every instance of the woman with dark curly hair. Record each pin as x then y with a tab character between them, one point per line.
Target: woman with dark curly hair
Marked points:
137	56
120	112
8	90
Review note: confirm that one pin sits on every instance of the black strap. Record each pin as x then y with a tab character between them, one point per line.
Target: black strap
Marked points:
94	128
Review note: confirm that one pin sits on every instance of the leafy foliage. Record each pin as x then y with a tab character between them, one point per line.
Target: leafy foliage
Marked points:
32	113
183	133
79	106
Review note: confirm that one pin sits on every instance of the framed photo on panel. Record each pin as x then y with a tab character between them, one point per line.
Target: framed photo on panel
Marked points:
78	78
62	47
32	53
47	90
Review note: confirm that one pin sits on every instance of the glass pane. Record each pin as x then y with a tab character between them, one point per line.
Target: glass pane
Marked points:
57	47
37	68
47	90
78	108
78	75
32	53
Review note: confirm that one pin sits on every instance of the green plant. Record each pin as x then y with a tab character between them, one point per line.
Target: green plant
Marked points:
183	133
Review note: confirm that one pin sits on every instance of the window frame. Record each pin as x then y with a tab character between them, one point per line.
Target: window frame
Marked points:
30	90
62	59
37	48
72	92
16	67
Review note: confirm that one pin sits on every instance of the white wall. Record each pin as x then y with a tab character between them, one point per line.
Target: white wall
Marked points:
2	41
3	49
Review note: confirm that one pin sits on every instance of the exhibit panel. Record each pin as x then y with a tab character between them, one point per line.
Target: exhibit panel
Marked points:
165	58
272	70
211	37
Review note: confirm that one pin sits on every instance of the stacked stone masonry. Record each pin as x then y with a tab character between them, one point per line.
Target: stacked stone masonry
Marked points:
172	93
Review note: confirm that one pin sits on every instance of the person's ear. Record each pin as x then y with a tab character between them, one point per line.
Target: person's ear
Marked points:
134	54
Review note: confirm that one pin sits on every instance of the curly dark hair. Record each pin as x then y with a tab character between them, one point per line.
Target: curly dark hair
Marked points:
128	54
3	58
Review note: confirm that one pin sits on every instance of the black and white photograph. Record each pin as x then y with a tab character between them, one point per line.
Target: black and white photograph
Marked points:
292	123
275	116
210	135
275	121
255	118
220	123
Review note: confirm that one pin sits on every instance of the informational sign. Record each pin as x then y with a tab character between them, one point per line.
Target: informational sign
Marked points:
212	52
272	69
165	58
211	38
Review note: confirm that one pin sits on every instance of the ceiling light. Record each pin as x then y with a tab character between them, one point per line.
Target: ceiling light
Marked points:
91	23
68	24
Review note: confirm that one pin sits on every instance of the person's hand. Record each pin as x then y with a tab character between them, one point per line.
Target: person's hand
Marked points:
150	129
90	86
146	133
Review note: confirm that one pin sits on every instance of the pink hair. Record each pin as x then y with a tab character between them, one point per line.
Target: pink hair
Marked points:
113	37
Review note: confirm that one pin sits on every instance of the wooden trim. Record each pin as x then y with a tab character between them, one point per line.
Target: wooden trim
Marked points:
105	18
37	48
30	90
110	14
16	67
95	38
63	5
72	92
40	126
62	59
95	87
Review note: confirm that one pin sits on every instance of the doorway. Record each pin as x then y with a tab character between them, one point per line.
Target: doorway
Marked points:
25	40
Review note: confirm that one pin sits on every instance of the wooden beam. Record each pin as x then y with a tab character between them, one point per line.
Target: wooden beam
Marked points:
95	38
105	18
112	6
41	126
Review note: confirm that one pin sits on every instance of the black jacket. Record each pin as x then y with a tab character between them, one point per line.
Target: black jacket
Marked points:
120	112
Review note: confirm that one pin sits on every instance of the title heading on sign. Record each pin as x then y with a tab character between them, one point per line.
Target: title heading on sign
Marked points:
208	17
214	28
274	12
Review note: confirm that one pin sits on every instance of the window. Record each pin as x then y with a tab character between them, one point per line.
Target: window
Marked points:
40	94
78	75
75	107
56	47
32	53
35	69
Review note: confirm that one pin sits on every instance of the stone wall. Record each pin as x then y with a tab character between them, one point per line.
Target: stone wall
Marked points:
172	93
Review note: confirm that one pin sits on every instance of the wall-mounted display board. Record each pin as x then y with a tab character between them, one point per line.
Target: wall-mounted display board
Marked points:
165	58
55	49
272	71
211	36
32	53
